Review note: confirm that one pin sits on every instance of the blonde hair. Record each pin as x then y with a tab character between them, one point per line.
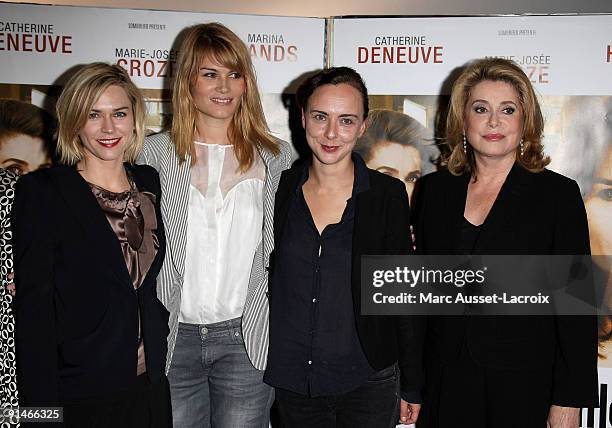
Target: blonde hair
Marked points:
248	129
78	97
496	70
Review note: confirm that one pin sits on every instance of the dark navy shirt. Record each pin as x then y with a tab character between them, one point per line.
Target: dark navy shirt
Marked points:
314	347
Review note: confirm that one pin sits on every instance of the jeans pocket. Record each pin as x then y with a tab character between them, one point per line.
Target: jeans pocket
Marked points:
236	334
388	374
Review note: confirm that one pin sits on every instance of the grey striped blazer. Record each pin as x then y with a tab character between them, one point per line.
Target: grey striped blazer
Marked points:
159	152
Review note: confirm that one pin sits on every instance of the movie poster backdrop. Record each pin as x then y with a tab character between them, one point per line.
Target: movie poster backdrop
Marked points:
408	63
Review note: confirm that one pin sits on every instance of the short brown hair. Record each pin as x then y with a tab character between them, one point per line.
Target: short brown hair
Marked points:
80	94
332	76
18	117
495	69
396	127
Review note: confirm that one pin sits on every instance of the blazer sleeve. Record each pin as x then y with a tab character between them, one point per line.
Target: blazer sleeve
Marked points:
575	367
286	152
153	146
143	156
35	322
410	329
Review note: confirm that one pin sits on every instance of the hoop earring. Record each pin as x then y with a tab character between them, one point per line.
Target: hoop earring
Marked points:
464	144
522	145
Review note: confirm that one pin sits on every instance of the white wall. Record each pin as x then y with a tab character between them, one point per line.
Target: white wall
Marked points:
325	8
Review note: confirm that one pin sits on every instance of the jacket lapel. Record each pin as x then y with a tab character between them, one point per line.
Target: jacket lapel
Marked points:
455	206
503	214
95	227
273	170
286	187
175	206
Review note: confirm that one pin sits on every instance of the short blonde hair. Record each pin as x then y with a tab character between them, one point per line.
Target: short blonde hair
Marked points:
78	97
496	70
248	129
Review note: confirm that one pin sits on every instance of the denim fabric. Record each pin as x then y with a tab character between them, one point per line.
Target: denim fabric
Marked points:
213	383
375	404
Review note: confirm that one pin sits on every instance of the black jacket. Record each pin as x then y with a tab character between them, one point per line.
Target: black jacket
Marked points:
381	226
535	213
76	307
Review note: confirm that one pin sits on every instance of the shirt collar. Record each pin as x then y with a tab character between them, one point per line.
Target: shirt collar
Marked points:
361	181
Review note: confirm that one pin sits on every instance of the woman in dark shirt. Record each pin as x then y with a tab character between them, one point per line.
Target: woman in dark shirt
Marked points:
88	243
331	366
498	198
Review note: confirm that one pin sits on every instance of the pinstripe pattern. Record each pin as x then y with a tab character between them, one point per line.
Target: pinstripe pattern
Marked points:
159	152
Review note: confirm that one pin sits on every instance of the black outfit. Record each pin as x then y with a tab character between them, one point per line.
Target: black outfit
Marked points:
346	351
316	360
77	312
373	404
505	371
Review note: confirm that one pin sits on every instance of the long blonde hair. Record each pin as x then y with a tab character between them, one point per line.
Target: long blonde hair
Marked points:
248	129
78	97
495	69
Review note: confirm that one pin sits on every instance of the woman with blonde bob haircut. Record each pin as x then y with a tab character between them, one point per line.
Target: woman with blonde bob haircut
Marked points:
88	243
497	197
220	168
73	109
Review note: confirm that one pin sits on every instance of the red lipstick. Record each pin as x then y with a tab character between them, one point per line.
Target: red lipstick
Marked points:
493	137
108	142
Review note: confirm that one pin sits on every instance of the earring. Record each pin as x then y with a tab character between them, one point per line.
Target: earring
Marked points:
464	144
522	147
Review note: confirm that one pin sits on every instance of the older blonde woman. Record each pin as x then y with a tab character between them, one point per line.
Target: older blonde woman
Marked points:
498	198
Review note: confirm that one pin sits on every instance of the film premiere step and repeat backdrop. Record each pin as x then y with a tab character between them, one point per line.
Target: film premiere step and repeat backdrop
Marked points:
408	65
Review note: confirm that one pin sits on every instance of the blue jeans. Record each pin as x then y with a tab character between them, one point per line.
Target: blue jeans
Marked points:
212	381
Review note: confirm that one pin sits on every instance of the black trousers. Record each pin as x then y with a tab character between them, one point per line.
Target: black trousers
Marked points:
374	404
147	405
466	394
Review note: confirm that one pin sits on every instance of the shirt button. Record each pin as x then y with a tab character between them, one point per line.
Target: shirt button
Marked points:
314	300
204	330
309	362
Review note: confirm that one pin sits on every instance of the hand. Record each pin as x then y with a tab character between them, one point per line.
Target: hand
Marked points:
409	412
563	417
10	285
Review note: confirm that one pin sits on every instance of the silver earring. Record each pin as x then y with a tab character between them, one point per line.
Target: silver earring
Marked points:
522	147
464	144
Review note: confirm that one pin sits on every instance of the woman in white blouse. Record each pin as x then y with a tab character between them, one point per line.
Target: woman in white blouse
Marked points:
219	169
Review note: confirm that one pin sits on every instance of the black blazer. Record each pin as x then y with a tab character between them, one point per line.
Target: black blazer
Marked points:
381	226
76	308
535	213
